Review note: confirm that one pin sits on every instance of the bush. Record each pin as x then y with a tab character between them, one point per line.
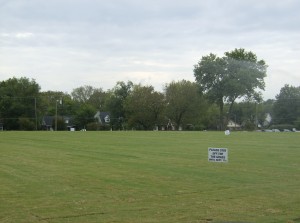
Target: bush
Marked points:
249	126
198	127
93	126
26	124
297	123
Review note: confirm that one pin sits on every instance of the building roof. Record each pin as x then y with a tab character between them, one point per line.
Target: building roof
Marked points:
48	120
232	124
102	117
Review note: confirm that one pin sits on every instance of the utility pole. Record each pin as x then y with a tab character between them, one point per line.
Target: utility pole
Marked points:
35	114
256	121
56	115
60	102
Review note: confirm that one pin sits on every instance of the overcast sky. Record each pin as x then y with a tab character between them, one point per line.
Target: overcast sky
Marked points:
65	44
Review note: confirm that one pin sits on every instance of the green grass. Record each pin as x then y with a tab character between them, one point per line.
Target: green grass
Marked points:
52	177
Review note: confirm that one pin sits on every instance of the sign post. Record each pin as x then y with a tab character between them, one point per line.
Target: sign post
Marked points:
219	155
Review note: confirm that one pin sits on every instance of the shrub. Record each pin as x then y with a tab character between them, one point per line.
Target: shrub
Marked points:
249	126
93	126
26	124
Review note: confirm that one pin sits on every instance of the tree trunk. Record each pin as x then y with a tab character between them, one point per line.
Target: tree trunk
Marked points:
221	104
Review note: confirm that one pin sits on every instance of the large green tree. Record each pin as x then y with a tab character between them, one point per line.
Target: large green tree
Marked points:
51	100
144	107
82	94
224	79
287	106
115	103
184	102
250	114
89	95
18	103
84	115
88	101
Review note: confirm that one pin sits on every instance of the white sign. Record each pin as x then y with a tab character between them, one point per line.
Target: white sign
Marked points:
218	155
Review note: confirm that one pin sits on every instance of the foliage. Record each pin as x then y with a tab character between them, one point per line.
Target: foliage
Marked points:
144	107
94	126
184	102
61	125
82	94
84	115
245	75
297	123
18	97
249	125
26	124
244	113
97	99
210	118
233	76
50	100
89	95
115	103
287	105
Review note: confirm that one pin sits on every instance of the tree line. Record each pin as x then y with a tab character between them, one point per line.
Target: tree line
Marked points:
225	88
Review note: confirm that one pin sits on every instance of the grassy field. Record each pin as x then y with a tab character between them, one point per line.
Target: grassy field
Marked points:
52	177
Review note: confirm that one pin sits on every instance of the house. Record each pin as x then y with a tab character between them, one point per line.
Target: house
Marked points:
268	120
233	125
48	123
102	118
69	123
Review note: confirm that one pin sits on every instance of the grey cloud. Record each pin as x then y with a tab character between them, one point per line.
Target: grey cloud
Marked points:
97	37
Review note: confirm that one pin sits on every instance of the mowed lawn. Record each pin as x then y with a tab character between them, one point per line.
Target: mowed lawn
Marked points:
132	176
